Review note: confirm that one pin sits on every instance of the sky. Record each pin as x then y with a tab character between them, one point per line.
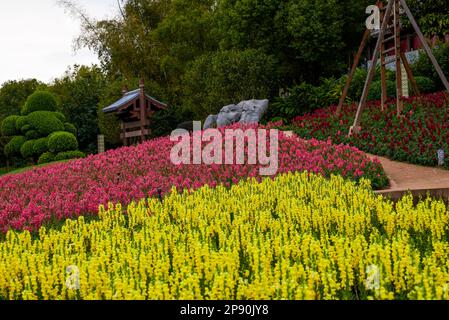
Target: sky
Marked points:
37	37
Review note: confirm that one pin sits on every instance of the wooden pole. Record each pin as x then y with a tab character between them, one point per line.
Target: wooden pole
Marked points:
142	109
383	71
352	71
356	127
397	43
425	44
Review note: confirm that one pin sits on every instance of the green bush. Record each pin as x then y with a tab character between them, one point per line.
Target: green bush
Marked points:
61	117
424	67
40	146
39	101
67	155
21	122
27	149
13	147
375	92
425	85
62	141
46	158
70	128
32	134
25	128
45	122
9	126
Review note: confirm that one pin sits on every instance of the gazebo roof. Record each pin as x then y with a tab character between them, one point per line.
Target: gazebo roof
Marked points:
130	97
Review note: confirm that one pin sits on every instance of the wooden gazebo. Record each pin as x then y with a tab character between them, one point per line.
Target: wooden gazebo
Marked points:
135	110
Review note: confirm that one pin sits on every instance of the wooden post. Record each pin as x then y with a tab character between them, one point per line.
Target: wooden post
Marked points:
353	69
383	71
356	127
398	49
142	109
425	44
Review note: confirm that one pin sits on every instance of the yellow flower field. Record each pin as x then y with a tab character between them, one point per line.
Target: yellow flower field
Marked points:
297	237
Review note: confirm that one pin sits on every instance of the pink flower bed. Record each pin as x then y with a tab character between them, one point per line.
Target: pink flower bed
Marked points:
67	190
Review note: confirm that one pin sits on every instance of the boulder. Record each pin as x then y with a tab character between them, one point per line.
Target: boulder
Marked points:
229	115
210	122
253	111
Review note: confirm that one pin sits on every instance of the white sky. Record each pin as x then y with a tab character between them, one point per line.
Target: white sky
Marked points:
36	37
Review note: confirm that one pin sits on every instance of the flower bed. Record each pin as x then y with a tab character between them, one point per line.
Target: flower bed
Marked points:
414	138
297	237
65	190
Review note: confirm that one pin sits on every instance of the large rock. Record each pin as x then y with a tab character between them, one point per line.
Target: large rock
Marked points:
229	115
210	122
253	111
247	112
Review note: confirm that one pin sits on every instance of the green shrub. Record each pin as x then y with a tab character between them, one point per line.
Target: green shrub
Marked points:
25	128
32	134
40	146
13	147
60	116
39	101
46	158
375	92
62	141
70	128
425	85
45	122
67	155
424	67
9	126
27	149
21	122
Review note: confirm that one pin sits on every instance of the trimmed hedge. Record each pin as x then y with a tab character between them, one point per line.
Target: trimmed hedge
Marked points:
25	128
21	122
61	117
67	155
62	141
32	134
13	147
45	122
70	128
27	149
39	101
425	85
46	158
9	126
40	146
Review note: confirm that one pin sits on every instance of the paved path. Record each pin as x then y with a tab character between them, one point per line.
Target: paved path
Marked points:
418	180
405	176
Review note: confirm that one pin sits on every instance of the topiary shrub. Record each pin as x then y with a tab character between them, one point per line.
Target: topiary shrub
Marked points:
27	149
70	128
13	147
39	101
25	128
62	141
21	122
40	146
46	158
67	155
425	85
32	135
61	117
45	122
9	126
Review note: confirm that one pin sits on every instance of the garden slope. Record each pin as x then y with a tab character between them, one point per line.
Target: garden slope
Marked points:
65	190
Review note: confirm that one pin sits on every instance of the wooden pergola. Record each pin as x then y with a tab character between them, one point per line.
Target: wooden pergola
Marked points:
135	111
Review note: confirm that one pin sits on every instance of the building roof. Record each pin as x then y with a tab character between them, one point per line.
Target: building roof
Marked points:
128	98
